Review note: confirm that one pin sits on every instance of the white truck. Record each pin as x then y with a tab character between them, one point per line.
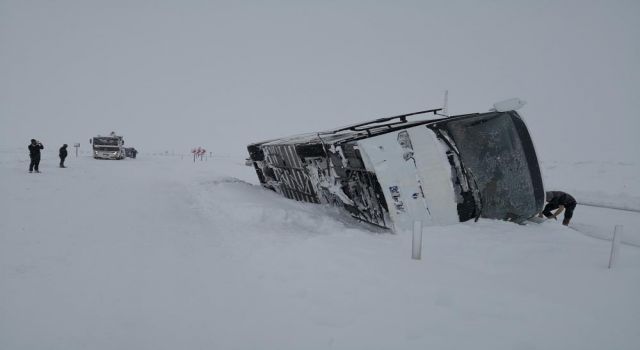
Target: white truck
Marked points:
108	147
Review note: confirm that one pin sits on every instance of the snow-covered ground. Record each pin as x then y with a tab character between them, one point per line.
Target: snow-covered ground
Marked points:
608	183
163	253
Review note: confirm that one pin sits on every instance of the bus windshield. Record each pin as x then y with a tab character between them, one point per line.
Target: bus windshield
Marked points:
106	141
497	151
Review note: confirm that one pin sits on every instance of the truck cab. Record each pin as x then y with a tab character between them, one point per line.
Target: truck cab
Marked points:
108	147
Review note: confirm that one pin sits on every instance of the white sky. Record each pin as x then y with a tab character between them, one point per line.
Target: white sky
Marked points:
170	75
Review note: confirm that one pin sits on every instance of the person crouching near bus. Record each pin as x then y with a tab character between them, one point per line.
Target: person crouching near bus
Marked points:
562	202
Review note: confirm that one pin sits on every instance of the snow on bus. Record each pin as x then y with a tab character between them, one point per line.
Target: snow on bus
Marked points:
391	171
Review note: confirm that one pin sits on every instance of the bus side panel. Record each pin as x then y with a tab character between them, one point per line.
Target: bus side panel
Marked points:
434	171
398	178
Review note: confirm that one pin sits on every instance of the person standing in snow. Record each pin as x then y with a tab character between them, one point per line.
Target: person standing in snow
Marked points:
63	155
34	154
562	202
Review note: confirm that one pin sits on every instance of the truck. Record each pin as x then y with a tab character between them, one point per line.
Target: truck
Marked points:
392	172
108	147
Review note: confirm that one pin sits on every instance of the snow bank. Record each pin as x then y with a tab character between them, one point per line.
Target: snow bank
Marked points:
164	253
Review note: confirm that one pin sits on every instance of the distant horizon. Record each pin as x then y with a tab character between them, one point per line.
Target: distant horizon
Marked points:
174	76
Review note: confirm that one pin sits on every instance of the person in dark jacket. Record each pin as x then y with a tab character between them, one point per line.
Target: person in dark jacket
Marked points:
34	154
562	202
63	155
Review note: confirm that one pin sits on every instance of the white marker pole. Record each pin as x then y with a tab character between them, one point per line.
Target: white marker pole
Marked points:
615	244
416	246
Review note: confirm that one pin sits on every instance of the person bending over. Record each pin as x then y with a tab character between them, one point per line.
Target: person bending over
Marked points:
559	201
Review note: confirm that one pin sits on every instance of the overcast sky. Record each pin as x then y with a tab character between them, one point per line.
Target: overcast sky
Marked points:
170	75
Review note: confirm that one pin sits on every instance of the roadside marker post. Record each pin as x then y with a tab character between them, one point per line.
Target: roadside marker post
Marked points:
615	245
416	244
76	145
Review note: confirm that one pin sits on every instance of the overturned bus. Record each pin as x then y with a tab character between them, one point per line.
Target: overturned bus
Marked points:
391	171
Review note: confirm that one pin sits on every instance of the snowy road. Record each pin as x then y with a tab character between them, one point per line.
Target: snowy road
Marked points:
600	222
162	253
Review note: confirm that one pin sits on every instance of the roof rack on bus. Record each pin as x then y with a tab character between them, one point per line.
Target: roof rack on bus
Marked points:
366	126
